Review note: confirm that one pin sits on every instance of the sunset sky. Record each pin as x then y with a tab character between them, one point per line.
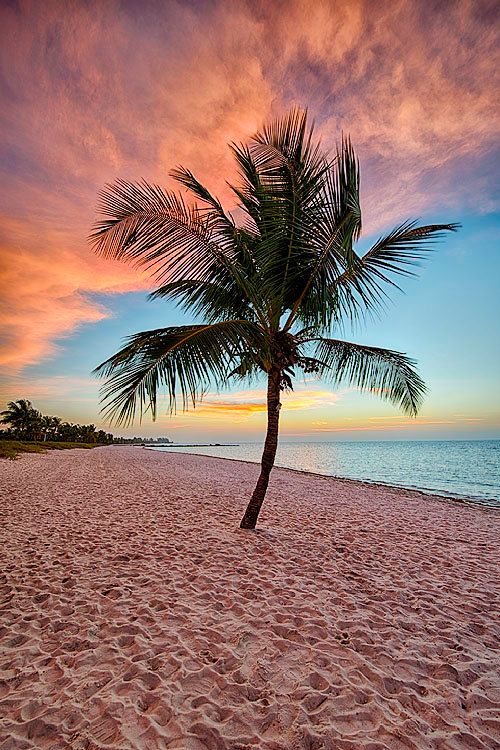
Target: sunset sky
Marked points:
93	91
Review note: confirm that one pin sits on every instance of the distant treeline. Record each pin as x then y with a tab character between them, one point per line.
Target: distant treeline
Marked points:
27	423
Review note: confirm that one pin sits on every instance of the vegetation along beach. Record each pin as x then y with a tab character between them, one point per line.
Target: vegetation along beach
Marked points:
249	358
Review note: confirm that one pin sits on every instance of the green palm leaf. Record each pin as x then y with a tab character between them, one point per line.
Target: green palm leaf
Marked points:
185	361
156	229
211	300
364	286
390	374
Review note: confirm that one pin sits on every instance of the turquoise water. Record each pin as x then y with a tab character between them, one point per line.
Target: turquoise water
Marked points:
457	468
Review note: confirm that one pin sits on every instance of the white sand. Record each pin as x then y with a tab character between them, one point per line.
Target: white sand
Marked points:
135	614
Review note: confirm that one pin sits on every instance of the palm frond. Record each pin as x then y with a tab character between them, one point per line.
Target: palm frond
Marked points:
184	360
186	178
364	286
404	247
288	137
214	301
334	219
220	223
156	229
344	189
282	173
231	238
388	373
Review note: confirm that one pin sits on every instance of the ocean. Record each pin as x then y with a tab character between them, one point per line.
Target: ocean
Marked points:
455	468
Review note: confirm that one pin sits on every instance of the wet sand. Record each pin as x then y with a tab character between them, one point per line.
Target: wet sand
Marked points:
135	614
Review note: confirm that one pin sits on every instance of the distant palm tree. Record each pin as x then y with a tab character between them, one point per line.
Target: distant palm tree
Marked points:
49	426
87	433
45	426
270	290
22	417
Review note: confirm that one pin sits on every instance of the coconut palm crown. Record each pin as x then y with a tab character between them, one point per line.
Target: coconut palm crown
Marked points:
272	291
22	417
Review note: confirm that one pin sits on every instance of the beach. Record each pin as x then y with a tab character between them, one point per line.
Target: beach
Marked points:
136	614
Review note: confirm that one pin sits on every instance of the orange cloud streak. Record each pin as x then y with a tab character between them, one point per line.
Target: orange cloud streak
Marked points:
247	403
43	293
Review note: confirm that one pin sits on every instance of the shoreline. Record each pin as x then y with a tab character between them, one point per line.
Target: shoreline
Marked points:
488	504
136	615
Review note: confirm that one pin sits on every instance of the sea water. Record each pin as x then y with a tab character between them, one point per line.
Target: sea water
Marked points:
456	468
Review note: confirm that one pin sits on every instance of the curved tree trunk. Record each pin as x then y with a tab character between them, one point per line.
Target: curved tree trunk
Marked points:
273	417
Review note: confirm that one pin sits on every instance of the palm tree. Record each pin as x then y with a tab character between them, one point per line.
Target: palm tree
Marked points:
22	417
45	426
55	425
67	432
88	433
49	426
272	291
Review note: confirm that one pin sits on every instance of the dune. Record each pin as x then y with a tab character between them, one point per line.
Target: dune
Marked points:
135	613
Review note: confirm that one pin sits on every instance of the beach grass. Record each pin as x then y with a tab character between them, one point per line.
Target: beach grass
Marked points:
13	448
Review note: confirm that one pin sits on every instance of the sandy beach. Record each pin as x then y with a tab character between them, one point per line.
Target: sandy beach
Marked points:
135	613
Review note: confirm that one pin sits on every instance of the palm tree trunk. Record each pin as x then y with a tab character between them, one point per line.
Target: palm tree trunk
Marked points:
273	417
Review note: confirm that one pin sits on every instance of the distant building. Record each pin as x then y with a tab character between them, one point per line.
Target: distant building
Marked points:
140	440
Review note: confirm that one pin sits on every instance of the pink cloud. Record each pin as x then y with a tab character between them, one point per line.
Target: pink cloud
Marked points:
95	90
413	85
43	288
